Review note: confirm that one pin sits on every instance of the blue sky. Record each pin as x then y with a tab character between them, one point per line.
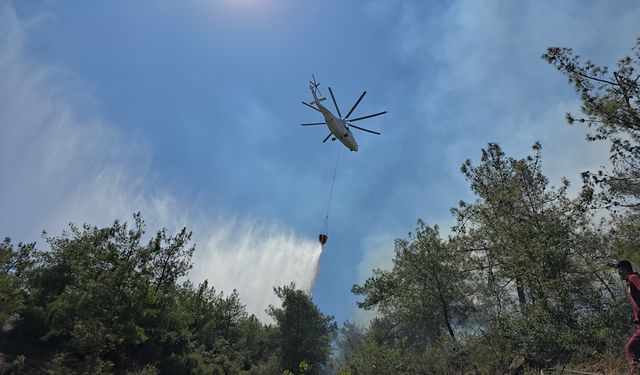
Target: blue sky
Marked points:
190	113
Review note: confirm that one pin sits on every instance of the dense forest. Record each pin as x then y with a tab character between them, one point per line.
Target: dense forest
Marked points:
522	278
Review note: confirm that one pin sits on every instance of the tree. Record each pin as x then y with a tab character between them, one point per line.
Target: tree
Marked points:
104	299
424	294
350	337
539	262
611	104
13	265
304	332
369	351
421	302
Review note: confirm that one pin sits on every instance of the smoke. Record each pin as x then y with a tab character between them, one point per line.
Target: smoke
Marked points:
61	163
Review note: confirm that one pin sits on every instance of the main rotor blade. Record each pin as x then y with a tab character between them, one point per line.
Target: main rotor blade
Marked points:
310	106
363	129
314	123
330	134
364	117
334	102
355	105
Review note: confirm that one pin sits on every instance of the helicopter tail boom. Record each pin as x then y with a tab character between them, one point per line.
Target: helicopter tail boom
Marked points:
315	92
316	100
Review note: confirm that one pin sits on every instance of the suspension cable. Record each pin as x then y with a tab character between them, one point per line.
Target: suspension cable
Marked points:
335	169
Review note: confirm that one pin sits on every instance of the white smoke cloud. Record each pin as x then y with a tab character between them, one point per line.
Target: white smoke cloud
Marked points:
59	164
379	255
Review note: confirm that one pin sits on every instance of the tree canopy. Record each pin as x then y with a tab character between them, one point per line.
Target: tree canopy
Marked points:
103	300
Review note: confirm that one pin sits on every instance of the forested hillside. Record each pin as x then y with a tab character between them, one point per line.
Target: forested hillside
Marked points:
100	300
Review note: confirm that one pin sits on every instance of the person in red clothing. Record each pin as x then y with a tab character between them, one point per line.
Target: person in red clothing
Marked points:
632	350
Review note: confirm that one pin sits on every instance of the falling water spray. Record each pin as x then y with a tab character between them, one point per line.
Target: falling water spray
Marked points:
253	257
316	269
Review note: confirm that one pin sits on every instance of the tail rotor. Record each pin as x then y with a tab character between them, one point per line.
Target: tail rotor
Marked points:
315	84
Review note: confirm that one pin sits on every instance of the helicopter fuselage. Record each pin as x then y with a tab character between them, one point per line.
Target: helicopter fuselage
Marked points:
336	126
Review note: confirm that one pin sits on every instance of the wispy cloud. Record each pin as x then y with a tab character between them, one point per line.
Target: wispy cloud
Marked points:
61	163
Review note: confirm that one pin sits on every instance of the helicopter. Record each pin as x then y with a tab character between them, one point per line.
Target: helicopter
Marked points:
339	126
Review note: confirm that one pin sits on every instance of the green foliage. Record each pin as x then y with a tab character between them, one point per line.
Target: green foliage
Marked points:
104	301
611	104
535	254
270	366
13	265
424	296
103	294
146	370
375	359
524	272
304	333
17	366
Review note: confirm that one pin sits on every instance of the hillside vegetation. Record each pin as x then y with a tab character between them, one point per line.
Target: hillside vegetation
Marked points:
524	272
